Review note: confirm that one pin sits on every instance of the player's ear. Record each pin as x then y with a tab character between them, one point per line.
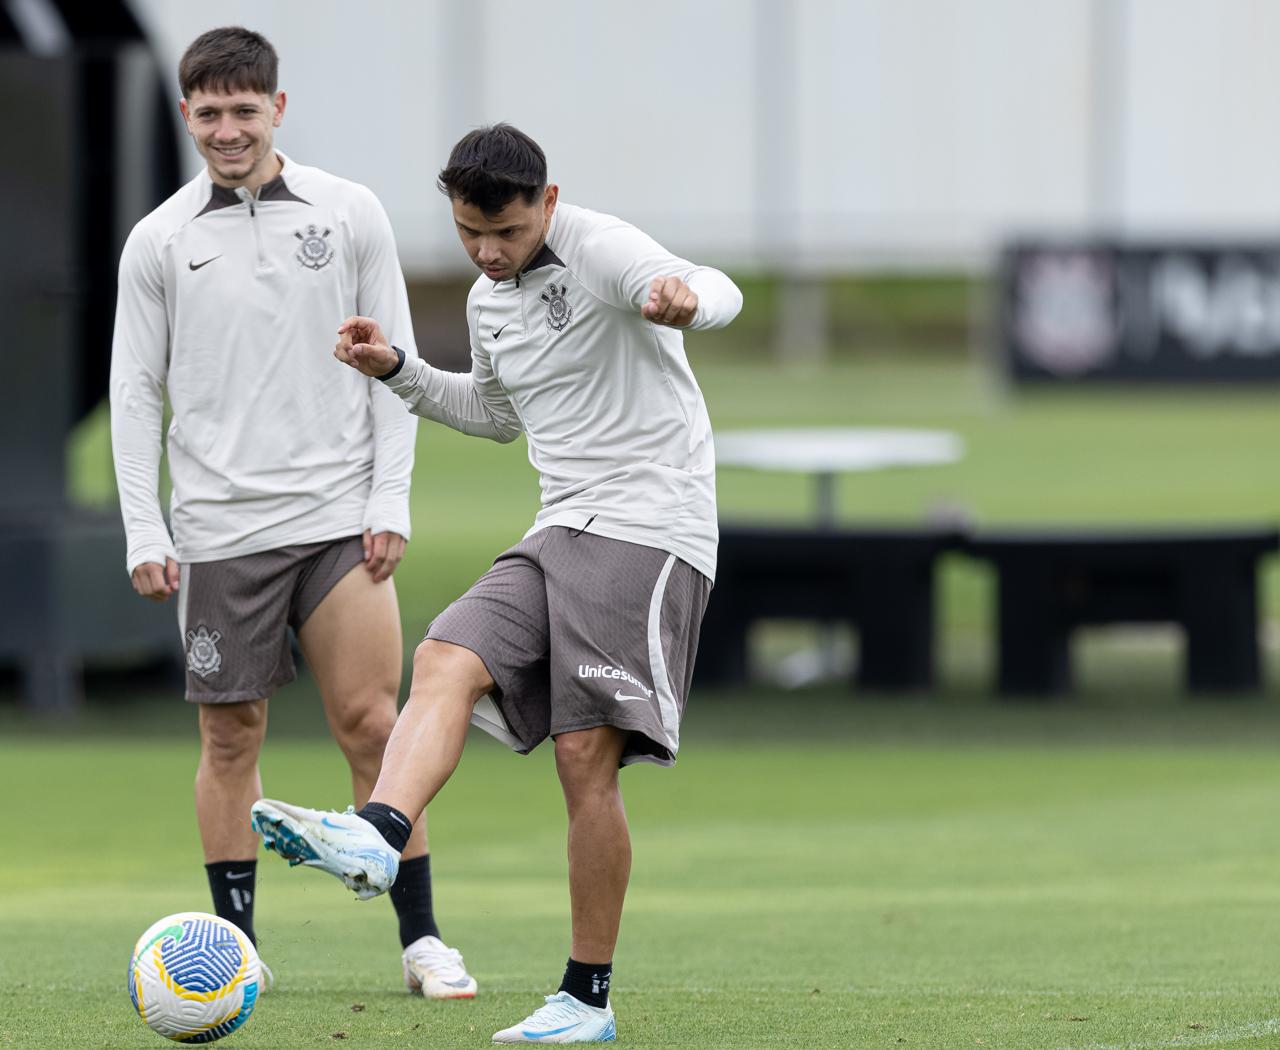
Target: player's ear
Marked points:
549	198
186	114
278	104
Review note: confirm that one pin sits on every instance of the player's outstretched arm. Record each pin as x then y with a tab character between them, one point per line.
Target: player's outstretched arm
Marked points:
362	345
630	270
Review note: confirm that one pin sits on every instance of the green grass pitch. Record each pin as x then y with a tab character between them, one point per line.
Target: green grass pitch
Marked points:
820	870
875	875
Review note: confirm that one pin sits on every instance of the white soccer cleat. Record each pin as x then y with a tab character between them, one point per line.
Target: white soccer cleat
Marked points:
343	844
436	970
563	1019
266	979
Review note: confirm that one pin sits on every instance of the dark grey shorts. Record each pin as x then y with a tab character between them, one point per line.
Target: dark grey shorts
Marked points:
235	615
580	631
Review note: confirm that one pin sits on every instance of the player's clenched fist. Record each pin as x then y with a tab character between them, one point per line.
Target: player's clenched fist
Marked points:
155	581
362	345
671	302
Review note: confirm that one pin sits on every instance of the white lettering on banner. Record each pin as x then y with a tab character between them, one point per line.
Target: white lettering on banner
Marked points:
609	671
1230	309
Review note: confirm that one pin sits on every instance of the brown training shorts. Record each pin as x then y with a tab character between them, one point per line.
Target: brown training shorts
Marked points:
579	631
234	615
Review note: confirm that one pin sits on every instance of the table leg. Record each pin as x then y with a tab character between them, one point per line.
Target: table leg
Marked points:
825	490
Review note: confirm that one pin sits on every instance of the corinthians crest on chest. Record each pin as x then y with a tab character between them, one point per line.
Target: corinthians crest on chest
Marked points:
559	310
315	252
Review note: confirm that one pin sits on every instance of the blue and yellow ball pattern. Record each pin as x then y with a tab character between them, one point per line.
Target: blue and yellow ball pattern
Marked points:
194	977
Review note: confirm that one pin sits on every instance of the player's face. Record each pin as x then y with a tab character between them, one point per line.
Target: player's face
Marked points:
502	244
233	132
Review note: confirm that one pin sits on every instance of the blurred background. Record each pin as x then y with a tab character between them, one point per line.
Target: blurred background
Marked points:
981	748
1038	233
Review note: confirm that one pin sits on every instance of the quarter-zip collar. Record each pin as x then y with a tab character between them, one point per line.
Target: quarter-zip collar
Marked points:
275	189
545	256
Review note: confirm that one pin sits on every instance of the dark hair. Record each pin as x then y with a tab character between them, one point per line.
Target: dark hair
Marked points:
492	166
229	59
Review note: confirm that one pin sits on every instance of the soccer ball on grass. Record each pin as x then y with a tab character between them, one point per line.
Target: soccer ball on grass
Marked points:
194	977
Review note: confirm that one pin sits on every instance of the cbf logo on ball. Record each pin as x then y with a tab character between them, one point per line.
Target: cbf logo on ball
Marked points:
202	651
559	312
315	251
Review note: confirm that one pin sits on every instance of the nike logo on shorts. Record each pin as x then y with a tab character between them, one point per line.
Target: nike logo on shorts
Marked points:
498	331
620	695
195	265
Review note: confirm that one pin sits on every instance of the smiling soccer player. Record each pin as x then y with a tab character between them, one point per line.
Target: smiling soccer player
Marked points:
290	483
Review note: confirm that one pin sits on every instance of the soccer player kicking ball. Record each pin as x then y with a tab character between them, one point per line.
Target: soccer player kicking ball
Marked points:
586	630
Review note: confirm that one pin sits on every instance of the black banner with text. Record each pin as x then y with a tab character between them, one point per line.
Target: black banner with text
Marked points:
1166	312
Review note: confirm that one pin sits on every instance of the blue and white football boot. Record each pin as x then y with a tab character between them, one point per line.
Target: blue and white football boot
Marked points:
562	1019
343	844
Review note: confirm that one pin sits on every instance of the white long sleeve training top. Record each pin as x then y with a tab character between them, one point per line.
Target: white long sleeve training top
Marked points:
230	302
616	424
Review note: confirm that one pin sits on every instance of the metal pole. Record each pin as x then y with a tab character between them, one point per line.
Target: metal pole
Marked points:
800	331
1108	145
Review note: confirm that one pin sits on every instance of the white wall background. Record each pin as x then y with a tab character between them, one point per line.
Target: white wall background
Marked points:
817	134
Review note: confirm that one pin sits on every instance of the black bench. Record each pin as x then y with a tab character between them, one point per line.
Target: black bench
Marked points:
68	603
879	580
1051	582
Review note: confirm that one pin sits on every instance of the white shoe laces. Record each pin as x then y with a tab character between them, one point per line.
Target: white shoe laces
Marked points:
560	1009
443	961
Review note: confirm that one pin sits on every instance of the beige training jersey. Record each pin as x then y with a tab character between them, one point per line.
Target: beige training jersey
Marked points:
229	303
616	424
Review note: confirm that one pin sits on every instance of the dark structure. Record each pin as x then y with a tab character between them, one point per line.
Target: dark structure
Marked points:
879	580
1053	582
79	89
1105	311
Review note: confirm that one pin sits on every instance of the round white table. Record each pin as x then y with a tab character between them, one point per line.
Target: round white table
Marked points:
828	451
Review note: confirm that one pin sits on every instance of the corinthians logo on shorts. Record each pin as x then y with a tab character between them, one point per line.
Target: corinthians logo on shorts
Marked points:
559	312
315	251
203	657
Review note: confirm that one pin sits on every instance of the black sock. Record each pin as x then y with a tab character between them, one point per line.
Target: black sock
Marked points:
588	982
232	883
411	895
392	825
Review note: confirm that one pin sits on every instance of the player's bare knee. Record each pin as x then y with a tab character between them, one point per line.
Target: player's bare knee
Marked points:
441	668
363	727
586	762
231	734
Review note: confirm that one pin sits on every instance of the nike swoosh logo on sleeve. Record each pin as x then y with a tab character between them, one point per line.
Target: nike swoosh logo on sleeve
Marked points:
195	265
498	331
